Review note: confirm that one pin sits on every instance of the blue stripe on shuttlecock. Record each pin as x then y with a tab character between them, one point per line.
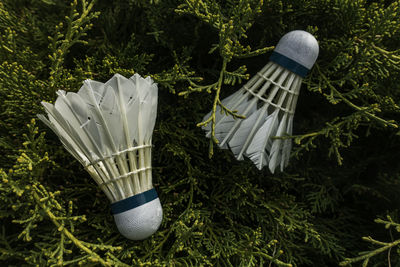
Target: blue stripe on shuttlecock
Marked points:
133	201
289	64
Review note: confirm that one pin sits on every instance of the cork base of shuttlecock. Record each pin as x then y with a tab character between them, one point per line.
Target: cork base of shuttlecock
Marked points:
139	216
141	222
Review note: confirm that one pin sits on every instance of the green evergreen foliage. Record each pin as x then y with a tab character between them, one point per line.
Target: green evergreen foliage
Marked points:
342	184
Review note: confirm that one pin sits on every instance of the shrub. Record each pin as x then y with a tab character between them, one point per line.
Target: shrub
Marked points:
344	171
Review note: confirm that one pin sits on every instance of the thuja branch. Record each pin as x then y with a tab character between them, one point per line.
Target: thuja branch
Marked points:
231	29
60	226
256	52
354	106
340	131
375	252
272	259
214	109
389	54
389	223
77	26
383	245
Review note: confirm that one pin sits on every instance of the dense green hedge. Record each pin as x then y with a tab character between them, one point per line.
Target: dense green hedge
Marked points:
343	180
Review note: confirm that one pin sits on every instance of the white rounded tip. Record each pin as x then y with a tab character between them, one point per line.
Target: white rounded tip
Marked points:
140	222
300	46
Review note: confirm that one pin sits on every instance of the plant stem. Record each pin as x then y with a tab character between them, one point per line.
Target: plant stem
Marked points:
214	108
67	233
351	104
370	254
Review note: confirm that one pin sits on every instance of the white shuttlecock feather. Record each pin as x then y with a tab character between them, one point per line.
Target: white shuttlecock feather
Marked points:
108	128
268	102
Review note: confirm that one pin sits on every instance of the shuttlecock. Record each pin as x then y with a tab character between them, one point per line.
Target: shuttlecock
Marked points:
108	128
268	102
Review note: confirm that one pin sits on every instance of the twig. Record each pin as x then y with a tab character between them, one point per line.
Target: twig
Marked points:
67	233
348	102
